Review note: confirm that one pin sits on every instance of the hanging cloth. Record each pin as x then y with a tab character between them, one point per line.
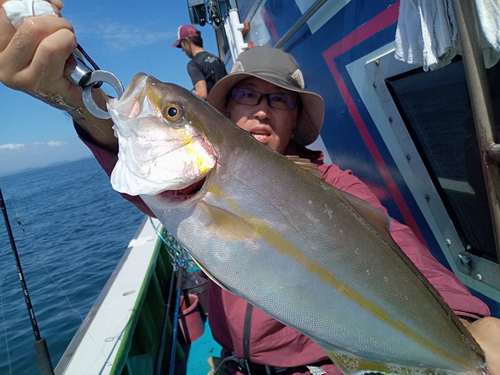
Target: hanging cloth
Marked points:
488	12
427	34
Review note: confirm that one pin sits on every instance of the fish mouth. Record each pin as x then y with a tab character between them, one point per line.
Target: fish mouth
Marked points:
182	195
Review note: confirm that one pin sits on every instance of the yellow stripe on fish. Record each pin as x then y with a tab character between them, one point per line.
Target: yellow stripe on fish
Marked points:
155	100
200	156
286	247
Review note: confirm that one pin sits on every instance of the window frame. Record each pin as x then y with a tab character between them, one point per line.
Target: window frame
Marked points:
481	275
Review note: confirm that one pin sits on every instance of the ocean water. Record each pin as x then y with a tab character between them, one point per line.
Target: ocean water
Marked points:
76	230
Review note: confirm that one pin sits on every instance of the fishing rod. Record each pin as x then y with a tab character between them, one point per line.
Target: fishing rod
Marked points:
159	360
41	350
175	323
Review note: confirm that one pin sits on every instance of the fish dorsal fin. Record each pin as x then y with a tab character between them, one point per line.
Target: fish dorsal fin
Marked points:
306	165
377	219
212	277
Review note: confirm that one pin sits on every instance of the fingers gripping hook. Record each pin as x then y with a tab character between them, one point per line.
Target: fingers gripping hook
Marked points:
86	79
81	74
100	76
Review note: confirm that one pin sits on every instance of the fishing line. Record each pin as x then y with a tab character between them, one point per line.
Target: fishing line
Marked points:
54	281
82	186
115	338
4	324
40	344
11	201
35	248
39	254
40	258
181	262
172	256
3	310
174	249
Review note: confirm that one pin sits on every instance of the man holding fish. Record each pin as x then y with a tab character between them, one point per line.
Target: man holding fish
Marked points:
264	95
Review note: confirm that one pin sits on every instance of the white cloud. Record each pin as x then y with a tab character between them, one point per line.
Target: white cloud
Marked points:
12	146
56	143
51	143
120	37
39	154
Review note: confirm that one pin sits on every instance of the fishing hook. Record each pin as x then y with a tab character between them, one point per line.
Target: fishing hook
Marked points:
86	79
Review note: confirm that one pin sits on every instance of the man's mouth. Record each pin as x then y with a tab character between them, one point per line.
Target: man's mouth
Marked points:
261	135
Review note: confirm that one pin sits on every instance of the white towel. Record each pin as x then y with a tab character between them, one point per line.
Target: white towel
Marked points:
427	34
18	10
488	12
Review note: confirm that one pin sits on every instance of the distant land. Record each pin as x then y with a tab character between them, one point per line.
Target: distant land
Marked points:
11	173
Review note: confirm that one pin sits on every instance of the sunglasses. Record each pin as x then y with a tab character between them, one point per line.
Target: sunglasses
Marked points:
252	97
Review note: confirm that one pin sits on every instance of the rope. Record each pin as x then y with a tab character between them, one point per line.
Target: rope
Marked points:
89	59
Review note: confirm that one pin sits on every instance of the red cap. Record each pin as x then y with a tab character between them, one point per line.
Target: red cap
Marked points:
185	31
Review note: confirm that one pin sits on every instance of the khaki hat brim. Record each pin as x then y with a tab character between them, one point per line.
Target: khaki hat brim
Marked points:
311	117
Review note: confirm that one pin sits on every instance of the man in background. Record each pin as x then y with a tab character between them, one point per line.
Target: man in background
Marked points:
204	68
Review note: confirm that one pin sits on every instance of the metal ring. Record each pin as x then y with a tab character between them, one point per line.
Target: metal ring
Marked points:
100	76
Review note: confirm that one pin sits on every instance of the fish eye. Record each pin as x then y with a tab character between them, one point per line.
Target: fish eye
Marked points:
173	112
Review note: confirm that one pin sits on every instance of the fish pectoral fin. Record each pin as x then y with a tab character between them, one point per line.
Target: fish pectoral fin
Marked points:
350	364
306	165
379	220
212	277
223	224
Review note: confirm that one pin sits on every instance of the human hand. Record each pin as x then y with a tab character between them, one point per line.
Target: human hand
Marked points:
34	59
486	331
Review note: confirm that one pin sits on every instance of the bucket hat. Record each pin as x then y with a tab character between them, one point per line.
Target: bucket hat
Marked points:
184	32
281	69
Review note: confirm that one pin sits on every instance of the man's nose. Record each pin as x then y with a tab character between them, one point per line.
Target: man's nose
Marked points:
261	115
262	109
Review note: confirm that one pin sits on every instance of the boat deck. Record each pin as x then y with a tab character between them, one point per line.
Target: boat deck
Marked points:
197	355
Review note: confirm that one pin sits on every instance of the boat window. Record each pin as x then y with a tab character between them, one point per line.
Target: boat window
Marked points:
222	42
436	109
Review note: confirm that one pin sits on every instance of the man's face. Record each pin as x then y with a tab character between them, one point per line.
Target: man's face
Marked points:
270	126
186	48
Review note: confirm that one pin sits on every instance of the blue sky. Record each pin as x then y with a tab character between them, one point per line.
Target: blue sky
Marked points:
124	37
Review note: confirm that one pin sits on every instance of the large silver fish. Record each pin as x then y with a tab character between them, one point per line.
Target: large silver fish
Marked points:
317	259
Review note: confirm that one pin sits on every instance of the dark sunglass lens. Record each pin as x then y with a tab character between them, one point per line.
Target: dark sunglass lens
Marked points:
245	96
283	101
